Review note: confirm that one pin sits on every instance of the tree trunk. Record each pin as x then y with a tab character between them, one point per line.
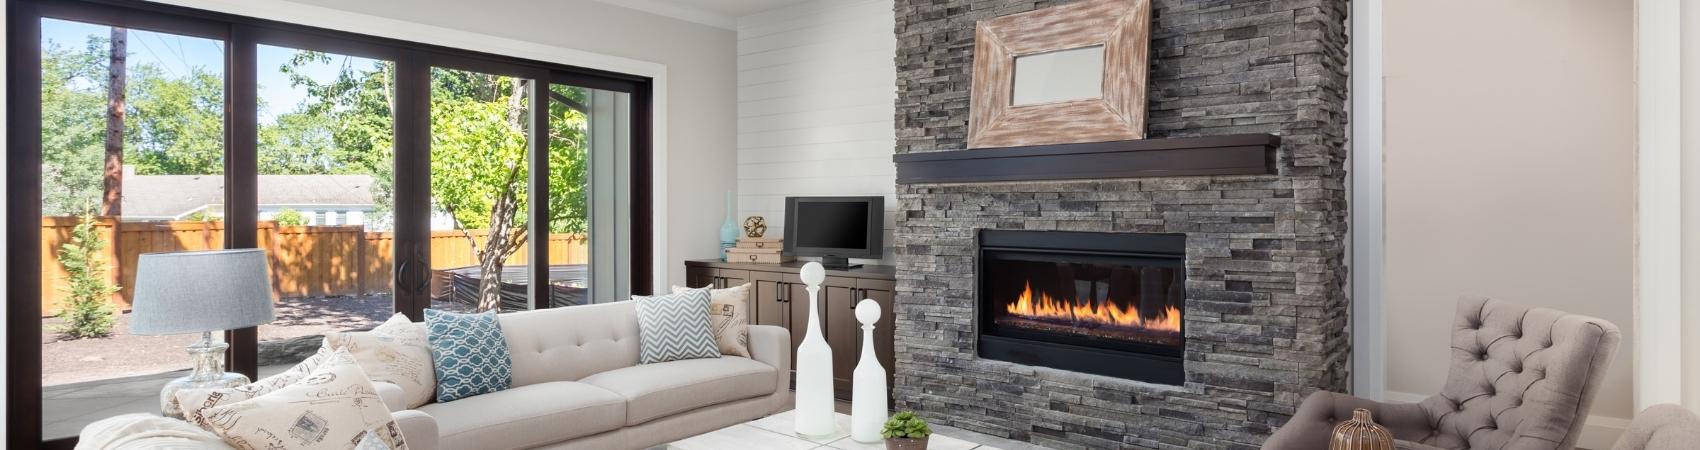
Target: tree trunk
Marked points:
112	197
499	244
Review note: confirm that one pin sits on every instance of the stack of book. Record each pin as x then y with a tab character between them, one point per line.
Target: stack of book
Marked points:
758	250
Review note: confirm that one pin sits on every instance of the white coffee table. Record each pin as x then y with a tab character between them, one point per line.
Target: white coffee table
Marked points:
774	432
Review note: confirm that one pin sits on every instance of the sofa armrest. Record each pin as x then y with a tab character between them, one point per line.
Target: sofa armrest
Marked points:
394	398
772	345
418	428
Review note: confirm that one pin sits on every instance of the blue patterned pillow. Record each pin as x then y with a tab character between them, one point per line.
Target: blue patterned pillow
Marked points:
469	352
674	327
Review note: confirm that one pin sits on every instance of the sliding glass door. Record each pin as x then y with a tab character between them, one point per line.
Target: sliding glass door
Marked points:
132	162
380	177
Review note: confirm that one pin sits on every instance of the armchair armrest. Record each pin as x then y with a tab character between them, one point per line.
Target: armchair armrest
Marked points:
1312	425
772	345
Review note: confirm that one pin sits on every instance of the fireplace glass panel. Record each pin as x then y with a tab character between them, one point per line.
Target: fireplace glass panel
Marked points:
1102	302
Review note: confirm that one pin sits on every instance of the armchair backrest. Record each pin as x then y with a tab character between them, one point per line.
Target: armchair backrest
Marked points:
1521	377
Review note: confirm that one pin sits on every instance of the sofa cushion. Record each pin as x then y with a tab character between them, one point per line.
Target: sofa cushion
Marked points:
728	318
332	408
396	353
527	416
469	353
674	327
566	344
658	390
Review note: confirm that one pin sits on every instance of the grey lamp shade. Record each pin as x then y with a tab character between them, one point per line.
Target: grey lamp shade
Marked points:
192	292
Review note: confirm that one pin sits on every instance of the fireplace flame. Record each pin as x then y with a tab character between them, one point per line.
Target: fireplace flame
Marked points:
1045	307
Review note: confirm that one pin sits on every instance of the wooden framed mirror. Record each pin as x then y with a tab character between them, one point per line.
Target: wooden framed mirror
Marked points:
1065	74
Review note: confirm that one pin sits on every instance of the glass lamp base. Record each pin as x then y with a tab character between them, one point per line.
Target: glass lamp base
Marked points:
208	374
168	395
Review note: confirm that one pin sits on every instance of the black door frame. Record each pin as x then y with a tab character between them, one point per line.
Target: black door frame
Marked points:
241	36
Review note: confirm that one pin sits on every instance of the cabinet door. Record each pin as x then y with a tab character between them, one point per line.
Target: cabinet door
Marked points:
885	331
796	311
697	277
767	300
839	320
731	277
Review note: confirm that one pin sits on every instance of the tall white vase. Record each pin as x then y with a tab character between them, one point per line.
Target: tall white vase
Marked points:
867	389
814	365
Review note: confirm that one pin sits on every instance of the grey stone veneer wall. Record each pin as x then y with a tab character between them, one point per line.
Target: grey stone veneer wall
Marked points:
1266	308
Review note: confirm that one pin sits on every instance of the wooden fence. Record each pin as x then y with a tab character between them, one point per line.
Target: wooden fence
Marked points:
305	260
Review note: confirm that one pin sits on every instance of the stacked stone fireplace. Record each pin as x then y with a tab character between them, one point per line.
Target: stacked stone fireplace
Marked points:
1223	296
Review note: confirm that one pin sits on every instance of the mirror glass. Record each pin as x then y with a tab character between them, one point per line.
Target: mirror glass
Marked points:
1073	74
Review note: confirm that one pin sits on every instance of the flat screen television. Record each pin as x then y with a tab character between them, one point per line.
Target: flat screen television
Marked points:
835	228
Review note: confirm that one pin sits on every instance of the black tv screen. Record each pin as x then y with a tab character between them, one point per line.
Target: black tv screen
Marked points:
831	224
834	227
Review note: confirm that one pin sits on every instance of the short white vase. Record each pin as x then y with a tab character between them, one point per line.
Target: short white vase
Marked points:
867	396
814	365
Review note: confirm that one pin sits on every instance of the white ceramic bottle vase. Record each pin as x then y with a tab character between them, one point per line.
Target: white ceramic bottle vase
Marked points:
867	389
814	365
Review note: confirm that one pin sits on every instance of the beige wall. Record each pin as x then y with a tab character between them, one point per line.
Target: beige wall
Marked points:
1509	170
701	94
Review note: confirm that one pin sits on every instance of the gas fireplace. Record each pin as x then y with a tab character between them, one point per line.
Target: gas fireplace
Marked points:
1105	303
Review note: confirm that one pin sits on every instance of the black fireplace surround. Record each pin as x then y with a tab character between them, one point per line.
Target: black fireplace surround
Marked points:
1110	304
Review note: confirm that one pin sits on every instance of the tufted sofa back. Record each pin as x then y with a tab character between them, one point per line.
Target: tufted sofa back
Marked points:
566	344
1521	377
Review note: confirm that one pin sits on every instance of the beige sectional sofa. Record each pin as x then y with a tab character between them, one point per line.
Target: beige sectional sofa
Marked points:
577	384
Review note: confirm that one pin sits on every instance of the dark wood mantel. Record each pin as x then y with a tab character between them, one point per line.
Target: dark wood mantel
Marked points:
1239	154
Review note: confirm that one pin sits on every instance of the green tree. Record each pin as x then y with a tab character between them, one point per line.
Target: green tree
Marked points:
289	218
72	123
86	308
175	124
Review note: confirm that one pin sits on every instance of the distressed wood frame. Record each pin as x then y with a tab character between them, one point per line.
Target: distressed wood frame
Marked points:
1121	26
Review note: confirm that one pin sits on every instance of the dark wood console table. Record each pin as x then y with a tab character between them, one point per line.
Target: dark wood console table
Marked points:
778	297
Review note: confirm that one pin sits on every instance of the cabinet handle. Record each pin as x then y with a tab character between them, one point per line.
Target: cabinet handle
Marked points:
855	296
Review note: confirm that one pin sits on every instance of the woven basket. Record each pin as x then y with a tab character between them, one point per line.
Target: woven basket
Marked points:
1360	433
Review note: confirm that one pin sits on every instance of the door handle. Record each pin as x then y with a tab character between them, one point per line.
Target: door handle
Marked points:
855	295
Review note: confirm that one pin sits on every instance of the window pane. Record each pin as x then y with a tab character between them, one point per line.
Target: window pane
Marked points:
326	164
569	194
479	169
143	176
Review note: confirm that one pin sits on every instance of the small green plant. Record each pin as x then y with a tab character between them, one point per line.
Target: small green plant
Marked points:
85	309
201	216
289	218
905	425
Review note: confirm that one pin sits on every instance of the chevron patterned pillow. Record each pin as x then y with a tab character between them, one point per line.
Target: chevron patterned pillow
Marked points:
674	327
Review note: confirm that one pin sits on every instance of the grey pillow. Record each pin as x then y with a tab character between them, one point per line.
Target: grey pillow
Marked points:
674	327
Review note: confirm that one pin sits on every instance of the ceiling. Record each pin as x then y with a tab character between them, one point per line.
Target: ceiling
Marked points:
718	13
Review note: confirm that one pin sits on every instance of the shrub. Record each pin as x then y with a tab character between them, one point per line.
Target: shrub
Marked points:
905	425
85	309
201	216
289	218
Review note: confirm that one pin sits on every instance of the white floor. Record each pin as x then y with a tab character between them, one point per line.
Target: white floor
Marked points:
774	432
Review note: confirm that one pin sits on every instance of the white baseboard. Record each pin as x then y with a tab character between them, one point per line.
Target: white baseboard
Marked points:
1599	433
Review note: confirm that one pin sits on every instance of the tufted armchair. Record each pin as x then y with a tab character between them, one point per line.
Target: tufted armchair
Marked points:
1661	427
1521	378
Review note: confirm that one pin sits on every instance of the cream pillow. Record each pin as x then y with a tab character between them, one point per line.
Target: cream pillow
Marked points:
395	352
193	401
729	318
334	407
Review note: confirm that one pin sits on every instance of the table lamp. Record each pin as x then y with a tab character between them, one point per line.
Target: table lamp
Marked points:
200	292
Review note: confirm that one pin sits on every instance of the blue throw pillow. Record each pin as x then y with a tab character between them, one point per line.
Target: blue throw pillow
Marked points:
470	354
674	327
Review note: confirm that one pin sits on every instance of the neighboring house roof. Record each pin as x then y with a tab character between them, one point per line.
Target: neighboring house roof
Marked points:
171	196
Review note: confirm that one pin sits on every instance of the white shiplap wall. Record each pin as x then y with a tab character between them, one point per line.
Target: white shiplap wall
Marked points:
816	99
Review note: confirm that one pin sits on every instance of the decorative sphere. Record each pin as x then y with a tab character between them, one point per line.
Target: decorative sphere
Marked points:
867	312
813	273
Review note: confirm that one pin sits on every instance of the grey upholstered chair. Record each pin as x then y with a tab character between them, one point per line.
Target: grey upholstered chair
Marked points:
1662	427
1521	379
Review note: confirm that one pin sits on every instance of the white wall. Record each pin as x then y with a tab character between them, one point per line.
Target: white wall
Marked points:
816	97
1509	172
699	64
